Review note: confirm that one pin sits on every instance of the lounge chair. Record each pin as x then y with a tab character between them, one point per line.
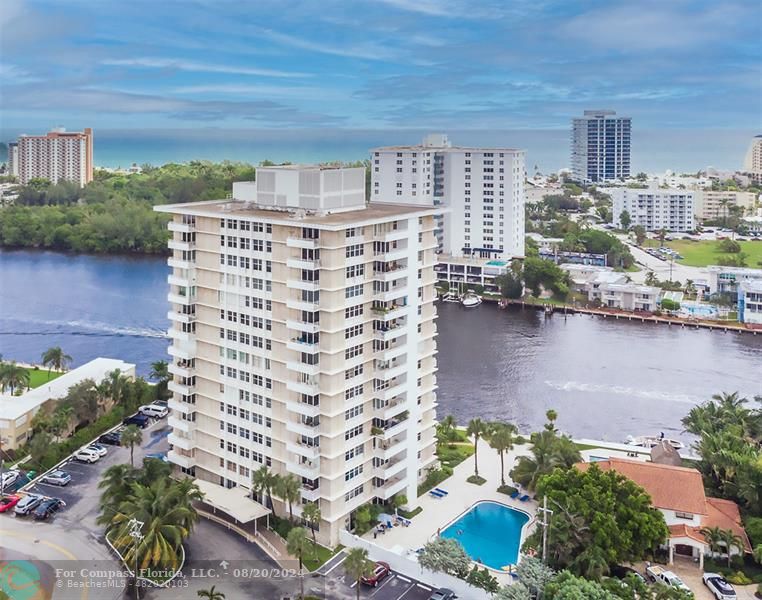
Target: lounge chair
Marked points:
524	498
435	494
441	491
515	494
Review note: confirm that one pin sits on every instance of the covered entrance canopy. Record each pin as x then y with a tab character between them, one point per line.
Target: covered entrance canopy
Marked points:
233	501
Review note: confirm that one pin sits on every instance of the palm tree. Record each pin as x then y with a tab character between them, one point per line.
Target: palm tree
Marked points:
60	420
288	489
357	566
160	373
446	429
115	483
131	436
210	594
13	376
263	481
551	415
55	357
297	544
477	428
730	539
713	537
502	440
548	452
311	514
168	517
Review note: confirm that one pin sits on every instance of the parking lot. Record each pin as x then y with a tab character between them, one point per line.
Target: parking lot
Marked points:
395	586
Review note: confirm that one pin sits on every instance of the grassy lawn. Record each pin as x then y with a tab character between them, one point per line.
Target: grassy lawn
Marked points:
38	377
705	252
452	455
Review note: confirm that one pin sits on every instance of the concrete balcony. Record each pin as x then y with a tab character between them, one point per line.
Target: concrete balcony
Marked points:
393	312
392	236
390	448
310	452
392	487
176	369
302	408
390	372
389	334
303	429
303	388
179	441
394	408
175	298
299	346
394	293
182	351
389	393
296	304
297	242
392	468
392	352
303	326
178	280
391	275
179	317
181	424
176	334
394	428
181	227
298	284
181	460
182	246
180	407
300	367
179	263
302	263
181	389
310	469
394	254
310	494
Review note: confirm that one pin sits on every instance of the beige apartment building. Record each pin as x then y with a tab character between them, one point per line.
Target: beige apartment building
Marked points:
59	155
303	338
715	205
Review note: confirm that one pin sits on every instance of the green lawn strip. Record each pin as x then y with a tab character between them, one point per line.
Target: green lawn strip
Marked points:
38	377
320	554
705	252
410	514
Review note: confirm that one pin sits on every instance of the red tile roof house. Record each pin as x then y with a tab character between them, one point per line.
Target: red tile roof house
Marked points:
678	493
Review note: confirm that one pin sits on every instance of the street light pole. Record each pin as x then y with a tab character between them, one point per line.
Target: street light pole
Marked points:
545	512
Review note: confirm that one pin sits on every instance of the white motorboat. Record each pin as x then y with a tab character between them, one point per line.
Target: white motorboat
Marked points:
649	441
470	301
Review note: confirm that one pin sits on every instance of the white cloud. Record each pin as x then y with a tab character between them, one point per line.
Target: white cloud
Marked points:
257	90
365	51
185	65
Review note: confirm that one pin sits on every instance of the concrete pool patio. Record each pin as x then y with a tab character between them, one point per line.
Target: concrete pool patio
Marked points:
438	513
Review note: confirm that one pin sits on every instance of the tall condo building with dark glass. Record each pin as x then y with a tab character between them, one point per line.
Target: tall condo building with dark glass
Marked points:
600	146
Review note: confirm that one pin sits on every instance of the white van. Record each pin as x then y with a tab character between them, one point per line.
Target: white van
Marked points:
87	455
154	410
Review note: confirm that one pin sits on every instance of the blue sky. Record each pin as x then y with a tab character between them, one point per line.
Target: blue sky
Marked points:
378	64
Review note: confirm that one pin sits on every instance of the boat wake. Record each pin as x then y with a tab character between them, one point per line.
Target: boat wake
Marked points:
78	327
577	386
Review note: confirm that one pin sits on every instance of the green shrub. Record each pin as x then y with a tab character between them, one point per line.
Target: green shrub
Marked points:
506	489
738	578
434	478
409	514
753	526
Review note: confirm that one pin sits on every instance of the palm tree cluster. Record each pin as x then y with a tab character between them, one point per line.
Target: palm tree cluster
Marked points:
722	541
269	484
163	505
56	358
549	450
500	436
13	377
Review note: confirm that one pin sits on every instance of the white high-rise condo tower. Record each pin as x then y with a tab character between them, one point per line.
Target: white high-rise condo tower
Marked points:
600	147
753	161
483	188
303	339
59	155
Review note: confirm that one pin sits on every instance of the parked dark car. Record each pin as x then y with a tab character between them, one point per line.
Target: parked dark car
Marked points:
48	508
113	438
443	594
141	421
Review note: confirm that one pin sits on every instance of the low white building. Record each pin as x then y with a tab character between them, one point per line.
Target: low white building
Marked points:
588	278
654	208
469	272
16	412
626	296
725	280
750	302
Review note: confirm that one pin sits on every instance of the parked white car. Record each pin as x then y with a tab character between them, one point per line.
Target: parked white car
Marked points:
720	588
9	478
87	455
660	575
154	410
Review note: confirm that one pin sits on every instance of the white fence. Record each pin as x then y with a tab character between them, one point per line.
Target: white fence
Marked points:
410	567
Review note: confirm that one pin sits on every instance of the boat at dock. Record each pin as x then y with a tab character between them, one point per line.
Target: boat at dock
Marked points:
470	301
650	441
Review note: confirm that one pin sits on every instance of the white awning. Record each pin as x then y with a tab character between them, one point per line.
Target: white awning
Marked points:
234	501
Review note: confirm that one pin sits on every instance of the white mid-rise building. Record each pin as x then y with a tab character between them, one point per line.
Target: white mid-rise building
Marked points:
654	208
483	188
13	159
600	147
750	302
725	280
59	155
303	339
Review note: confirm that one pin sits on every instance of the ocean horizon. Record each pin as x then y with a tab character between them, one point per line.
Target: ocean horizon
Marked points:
653	150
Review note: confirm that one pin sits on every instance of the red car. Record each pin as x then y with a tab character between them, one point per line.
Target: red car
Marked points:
380	570
8	502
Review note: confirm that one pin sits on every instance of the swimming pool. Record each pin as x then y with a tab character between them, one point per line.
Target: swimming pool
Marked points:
696	309
497	263
490	533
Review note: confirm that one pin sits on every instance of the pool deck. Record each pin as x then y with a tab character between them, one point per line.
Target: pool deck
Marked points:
438	513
